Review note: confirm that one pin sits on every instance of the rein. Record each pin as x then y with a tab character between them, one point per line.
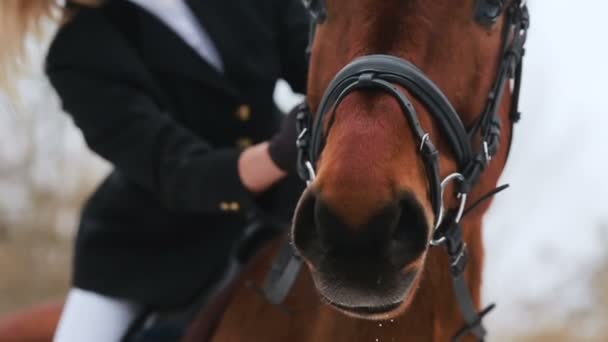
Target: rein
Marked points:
384	72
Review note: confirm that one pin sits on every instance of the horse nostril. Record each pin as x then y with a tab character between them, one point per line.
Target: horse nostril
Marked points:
397	233
409	238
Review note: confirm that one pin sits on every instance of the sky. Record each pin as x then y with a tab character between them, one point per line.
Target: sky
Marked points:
546	236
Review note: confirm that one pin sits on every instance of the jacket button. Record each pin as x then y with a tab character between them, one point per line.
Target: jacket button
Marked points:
234	206
243	143
224	206
230	206
243	113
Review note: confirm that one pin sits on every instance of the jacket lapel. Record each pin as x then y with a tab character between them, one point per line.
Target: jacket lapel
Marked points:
174	55
212	18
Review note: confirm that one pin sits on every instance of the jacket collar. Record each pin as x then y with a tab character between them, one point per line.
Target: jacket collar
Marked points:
174	55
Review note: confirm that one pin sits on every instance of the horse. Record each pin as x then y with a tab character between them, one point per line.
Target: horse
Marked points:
35	324
414	103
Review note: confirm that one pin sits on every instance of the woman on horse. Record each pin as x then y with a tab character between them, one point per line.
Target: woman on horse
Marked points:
178	97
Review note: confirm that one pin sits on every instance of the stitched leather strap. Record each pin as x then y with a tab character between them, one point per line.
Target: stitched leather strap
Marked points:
283	274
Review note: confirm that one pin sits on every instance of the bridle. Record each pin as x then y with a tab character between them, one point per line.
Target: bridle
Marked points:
384	72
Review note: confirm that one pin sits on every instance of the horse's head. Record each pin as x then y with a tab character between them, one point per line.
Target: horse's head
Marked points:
364	224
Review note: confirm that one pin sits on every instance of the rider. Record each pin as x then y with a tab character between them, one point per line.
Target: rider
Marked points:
178	96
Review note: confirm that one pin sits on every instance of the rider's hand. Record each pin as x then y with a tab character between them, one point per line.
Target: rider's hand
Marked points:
257	170
264	164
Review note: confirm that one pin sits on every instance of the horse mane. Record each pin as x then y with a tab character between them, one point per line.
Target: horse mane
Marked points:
21	20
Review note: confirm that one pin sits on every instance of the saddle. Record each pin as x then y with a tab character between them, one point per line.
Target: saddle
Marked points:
270	218
205	311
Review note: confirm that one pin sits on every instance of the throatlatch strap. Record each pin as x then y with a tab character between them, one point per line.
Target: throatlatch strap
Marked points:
283	274
459	257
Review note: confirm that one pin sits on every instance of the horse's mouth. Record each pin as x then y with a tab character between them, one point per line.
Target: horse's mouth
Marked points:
370	304
376	312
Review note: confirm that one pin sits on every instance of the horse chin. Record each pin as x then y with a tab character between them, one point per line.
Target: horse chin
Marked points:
369	303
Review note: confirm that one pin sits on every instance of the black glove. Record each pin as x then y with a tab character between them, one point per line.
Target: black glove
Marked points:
283	150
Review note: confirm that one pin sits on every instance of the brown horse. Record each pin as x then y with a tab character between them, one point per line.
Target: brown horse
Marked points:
36	324
363	225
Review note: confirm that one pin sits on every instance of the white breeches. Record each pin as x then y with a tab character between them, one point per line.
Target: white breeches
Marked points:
88	316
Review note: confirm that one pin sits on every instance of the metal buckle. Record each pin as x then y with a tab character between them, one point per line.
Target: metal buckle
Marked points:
463	200
302	141
461	254
316	8
486	152
425	139
311	172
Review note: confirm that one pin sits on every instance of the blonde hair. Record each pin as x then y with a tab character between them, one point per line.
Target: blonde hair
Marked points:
20	20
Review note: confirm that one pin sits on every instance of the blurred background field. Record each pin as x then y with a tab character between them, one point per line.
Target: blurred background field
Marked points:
46	173
546	238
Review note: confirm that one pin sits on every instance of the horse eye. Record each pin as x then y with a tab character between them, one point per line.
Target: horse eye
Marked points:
487	12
